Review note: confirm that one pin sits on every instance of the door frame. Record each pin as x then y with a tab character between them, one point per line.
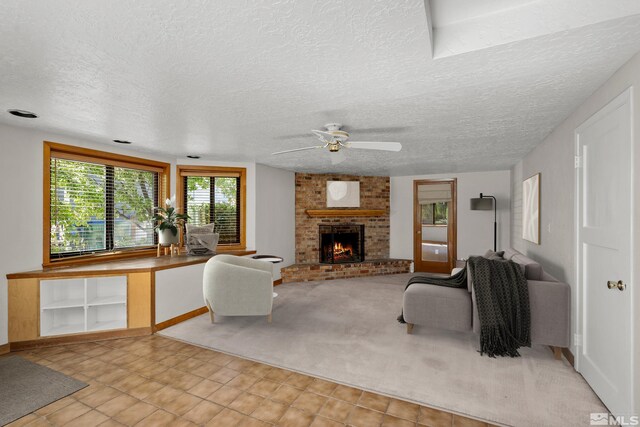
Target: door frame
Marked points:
452	232
626	97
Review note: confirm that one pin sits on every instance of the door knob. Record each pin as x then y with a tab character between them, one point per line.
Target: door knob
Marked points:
619	285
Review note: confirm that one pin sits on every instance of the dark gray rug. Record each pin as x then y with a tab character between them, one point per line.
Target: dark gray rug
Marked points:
26	386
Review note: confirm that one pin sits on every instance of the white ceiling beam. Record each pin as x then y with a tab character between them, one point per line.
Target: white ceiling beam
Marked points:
459	26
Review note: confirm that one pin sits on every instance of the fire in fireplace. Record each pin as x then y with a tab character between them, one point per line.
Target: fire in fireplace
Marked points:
341	243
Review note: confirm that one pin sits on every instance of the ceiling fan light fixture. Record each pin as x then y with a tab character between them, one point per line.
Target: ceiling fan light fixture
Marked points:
335	139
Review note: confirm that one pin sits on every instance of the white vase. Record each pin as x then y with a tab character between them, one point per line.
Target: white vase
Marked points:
166	237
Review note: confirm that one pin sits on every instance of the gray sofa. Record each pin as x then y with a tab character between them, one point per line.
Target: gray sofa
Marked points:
455	309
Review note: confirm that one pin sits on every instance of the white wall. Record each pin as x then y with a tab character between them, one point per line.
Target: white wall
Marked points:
475	228
21	164
276	214
173	301
554	159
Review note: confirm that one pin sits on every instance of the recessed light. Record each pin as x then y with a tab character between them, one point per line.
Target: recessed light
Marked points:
121	141
22	113
193	157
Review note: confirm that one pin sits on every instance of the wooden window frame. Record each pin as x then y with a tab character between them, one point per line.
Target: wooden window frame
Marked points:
433	214
71	152
191	170
452	232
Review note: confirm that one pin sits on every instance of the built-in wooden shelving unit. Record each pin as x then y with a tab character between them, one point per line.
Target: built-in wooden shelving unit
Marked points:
345	212
70	306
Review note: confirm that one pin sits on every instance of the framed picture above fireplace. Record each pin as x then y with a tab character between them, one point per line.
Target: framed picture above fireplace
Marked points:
343	194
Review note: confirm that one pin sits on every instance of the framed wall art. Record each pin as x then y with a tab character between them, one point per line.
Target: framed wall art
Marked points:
343	194
531	209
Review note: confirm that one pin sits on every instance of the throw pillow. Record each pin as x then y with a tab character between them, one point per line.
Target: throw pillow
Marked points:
494	255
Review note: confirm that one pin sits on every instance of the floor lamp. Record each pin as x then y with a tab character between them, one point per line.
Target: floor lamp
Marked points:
486	203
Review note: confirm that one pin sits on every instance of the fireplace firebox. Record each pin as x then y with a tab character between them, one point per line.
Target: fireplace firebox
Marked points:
341	243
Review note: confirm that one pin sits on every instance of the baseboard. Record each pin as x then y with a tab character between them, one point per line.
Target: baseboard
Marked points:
81	337
178	319
5	348
277	282
568	355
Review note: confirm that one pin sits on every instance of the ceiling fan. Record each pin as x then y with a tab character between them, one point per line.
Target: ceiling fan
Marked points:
334	139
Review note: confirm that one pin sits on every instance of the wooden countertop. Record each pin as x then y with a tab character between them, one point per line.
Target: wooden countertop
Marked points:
136	265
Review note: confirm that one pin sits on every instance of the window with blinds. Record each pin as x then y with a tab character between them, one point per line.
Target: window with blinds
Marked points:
100	205
435	213
211	195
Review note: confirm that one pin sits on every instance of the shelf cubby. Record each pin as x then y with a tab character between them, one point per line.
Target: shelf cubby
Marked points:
106	290
68	320
104	317
61	293
76	305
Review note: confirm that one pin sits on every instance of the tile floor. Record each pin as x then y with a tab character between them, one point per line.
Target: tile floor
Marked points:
156	381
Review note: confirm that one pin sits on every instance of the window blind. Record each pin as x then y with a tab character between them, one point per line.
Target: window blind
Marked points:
135	196
99	207
214	199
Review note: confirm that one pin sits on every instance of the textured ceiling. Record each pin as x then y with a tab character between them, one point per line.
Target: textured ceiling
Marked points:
232	80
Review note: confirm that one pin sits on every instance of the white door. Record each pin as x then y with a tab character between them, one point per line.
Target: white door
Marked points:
604	212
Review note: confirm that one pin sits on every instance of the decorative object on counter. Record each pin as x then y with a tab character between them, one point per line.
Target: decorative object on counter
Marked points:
173	249
167	221
201	240
531	209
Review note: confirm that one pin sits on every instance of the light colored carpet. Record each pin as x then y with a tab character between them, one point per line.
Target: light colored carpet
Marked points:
26	386
346	330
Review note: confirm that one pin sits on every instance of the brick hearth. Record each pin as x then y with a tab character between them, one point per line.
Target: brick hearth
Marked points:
312	271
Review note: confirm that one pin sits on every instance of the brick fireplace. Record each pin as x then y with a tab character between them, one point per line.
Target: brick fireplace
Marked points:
312	217
341	243
311	193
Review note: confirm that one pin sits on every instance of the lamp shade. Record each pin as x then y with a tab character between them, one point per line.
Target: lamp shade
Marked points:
481	204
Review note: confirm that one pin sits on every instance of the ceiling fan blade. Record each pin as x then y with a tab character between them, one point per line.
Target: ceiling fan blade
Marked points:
370	145
337	157
324	136
297	149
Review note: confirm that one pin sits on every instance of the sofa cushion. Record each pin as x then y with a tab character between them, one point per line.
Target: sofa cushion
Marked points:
532	269
437	306
509	253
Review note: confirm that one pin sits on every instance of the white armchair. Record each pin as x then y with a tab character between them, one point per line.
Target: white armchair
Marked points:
236	286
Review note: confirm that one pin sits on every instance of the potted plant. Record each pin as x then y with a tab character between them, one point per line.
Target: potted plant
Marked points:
167	221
